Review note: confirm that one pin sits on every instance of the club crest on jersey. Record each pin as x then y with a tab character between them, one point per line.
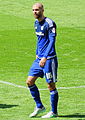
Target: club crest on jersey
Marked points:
35	27
42	27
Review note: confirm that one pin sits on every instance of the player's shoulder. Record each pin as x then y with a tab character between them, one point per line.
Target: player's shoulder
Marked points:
50	22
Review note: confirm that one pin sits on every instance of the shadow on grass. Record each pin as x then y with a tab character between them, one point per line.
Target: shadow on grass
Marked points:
76	115
4	106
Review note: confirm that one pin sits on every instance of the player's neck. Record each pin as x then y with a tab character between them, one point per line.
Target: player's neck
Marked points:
41	18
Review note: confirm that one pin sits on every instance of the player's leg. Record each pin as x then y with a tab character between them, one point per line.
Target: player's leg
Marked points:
51	75
53	101
34	90
53	97
34	73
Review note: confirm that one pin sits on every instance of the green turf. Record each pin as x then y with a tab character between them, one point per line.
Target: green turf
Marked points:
17	52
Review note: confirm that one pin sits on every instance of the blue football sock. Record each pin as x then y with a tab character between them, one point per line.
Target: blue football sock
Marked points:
35	94
54	100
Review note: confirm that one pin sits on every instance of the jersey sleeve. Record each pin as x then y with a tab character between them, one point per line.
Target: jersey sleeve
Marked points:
52	38
36	44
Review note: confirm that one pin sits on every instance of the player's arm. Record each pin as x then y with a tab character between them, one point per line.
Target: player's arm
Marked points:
52	35
50	45
52	38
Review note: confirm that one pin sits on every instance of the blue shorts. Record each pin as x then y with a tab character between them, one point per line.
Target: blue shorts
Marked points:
49	70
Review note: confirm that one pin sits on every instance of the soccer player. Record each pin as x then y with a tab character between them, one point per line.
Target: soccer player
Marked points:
46	62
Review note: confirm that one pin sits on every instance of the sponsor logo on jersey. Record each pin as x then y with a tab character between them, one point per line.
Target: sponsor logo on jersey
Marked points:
40	33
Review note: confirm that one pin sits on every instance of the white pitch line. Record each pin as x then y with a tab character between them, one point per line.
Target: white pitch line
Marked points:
19	86
12	84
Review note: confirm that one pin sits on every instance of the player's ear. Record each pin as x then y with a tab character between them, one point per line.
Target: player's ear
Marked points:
42	10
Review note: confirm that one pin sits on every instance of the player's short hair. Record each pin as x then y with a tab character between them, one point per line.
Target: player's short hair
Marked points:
40	5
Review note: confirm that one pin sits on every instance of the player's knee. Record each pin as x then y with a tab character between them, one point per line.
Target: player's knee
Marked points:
29	82
51	86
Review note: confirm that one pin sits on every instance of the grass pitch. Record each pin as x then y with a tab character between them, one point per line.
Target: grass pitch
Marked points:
17	52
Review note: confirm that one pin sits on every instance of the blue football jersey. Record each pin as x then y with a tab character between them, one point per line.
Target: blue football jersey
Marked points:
46	36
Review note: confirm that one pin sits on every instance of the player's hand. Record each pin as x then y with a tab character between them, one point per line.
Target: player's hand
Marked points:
42	62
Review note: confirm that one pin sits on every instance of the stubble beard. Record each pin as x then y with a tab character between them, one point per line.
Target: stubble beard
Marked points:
37	16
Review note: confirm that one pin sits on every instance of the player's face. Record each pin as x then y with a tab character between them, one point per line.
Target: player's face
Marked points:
37	11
